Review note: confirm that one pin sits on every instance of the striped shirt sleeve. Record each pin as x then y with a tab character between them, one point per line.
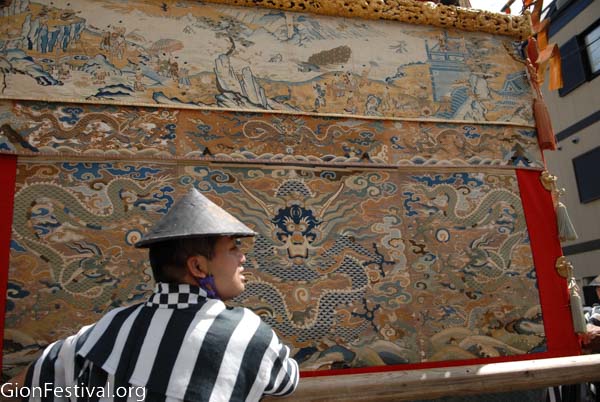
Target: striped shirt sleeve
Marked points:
284	374
56	367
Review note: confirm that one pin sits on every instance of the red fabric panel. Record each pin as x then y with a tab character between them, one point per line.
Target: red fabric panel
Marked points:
8	173
545	245
554	295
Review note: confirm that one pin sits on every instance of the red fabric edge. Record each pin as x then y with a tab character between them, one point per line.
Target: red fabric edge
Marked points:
545	246
554	295
8	175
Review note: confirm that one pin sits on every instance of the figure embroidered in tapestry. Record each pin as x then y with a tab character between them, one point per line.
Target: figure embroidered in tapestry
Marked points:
249	58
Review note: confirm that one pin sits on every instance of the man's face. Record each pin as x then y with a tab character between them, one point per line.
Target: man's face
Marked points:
226	267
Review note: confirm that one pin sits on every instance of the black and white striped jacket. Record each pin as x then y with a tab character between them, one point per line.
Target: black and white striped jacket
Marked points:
179	345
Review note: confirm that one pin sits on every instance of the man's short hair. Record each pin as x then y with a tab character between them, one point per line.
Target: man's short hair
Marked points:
168	258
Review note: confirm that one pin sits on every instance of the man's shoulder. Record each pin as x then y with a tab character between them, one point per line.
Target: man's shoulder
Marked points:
120	311
247	315
240	311
250	313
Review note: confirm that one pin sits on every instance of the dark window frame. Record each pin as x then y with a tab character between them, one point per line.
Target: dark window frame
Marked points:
559	18
579	178
588	65
575	61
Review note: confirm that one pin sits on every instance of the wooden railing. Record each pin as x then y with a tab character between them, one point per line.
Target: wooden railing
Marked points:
450	381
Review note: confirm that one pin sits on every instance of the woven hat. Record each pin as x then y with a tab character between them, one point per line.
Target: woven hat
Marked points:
194	215
595	282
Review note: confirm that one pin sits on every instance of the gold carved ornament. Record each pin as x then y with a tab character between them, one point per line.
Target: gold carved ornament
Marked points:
548	181
409	11
564	267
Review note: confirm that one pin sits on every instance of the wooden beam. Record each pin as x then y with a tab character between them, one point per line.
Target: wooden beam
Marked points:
450	381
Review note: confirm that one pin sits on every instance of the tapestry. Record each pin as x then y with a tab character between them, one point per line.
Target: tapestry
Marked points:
100	131
353	267
377	161
191	54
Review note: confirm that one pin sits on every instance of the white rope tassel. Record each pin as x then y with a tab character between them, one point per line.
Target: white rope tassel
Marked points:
566	230
576	307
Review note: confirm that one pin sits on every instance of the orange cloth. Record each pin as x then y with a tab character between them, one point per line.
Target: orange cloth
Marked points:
550	55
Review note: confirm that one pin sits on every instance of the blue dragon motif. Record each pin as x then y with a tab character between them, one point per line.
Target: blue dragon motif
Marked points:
72	115
89	171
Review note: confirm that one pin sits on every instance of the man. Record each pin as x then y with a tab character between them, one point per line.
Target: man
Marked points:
183	343
591	339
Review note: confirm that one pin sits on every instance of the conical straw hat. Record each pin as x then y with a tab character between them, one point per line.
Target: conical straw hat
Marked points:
595	282
194	215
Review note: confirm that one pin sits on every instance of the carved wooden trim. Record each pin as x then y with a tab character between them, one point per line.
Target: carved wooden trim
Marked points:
410	11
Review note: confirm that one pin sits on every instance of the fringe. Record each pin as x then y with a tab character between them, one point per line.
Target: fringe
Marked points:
566	230
579	323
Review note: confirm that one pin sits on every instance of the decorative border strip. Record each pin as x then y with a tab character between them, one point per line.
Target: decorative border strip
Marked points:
409	11
179	106
212	160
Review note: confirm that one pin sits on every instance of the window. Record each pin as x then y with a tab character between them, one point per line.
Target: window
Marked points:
586	168
562	12
591	41
580	58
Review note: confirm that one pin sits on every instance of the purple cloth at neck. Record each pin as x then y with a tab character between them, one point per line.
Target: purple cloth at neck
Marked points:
208	284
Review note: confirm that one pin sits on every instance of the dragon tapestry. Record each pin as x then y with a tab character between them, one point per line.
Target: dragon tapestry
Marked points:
354	267
101	131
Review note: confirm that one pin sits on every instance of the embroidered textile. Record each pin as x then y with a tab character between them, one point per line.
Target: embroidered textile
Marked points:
249	58
353	267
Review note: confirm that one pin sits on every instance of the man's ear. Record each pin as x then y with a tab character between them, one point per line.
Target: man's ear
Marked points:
196	266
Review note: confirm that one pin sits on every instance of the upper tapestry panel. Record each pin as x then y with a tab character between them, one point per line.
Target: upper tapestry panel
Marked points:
202	55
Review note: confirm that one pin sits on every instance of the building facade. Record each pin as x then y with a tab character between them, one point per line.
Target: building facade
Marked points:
575	114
